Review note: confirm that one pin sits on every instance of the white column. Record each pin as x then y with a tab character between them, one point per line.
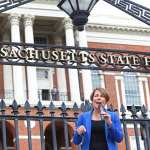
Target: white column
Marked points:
147	94
73	74
117	79
86	74
61	76
19	92
141	90
7	74
31	71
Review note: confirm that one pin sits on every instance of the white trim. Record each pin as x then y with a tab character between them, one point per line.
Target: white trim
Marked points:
111	73
123	92
105	27
102	79
118	95
142	97
36	9
119	38
147	93
131	126
25	137
119	77
69	104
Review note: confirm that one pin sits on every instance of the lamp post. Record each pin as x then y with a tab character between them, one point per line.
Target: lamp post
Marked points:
78	10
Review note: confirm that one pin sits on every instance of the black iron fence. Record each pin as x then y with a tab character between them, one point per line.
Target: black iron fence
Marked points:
52	127
140	127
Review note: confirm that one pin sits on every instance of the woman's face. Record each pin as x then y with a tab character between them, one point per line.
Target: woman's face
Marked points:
98	100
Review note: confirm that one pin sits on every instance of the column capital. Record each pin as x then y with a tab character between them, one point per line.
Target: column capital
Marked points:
68	23
28	20
14	19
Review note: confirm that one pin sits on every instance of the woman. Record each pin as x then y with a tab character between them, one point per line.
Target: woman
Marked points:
98	129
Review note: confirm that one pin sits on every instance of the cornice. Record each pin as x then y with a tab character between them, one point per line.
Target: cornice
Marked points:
103	27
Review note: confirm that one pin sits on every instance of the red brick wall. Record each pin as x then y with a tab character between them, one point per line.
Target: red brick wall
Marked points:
55	82
111	88
120	46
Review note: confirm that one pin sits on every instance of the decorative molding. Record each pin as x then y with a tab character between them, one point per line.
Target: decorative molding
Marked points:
68	23
14	19
28	20
103	27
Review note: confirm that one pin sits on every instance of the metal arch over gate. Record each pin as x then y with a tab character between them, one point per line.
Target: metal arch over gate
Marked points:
9	4
74	57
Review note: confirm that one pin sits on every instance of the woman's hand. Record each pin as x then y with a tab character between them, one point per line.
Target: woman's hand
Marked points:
81	129
107	118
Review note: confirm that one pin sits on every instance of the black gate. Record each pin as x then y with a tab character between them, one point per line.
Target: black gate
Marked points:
51	124
58	125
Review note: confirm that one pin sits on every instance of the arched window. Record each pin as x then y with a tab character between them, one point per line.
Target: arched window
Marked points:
132	92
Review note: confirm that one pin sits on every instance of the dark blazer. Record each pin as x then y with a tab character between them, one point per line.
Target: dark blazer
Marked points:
113	134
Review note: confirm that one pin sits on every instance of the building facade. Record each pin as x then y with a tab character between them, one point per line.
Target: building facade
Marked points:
43	23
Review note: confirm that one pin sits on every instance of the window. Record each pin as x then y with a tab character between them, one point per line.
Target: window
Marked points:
45	94
40	40
132	93
42	73
96	80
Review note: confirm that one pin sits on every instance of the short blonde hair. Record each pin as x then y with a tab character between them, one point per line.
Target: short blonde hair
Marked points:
103	93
